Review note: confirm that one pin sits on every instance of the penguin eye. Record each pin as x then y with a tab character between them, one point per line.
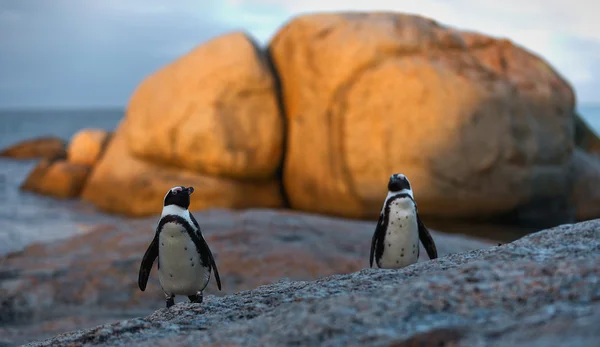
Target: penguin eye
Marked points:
175	192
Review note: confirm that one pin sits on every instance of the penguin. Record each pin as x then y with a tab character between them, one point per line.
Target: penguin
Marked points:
395	242
184	259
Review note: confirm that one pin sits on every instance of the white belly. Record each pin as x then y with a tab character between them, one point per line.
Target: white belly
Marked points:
401	240
180	271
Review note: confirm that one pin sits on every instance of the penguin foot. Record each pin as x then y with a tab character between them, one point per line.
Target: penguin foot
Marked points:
196	299
170	301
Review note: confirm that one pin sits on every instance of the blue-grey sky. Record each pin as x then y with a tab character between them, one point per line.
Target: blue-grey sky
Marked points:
88	53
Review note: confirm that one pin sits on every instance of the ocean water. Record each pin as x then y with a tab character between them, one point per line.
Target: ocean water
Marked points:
26	218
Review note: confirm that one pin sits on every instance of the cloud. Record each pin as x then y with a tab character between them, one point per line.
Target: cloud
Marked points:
95	52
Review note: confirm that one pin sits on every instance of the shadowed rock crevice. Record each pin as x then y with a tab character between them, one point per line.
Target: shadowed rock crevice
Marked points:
268	60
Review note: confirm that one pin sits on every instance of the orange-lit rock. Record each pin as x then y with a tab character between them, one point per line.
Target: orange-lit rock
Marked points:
124	184
480	126
60	179
87	146
212	111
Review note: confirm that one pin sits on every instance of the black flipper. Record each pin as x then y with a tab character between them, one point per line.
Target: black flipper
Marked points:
426	239
377	240
204	250
147	262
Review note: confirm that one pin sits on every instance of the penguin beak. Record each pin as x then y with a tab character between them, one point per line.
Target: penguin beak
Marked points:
190	190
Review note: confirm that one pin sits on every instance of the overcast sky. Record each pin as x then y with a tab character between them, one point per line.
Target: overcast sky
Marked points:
78	53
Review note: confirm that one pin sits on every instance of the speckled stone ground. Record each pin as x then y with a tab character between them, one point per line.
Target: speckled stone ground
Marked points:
541	290
91	279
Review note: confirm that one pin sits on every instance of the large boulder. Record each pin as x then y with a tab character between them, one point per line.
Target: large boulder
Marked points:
213	111
91	278
48	147
541	290
480	126
123	184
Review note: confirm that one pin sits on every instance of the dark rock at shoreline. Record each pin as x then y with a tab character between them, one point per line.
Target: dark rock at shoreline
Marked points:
50	147
541	290
75	283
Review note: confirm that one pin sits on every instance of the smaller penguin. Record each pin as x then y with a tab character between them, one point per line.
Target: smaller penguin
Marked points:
395	242
184	259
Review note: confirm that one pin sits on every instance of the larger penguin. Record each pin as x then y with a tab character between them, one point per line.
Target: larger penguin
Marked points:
184	259
395	242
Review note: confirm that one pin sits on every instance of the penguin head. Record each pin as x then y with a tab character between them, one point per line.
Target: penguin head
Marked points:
398	182
179	196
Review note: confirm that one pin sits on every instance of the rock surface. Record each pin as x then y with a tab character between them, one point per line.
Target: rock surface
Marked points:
541	290
58	178
90	279
119	176
213	111
51	148
87	146
479	125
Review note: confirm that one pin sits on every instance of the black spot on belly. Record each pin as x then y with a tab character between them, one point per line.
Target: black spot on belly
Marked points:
402	255
171	275
397	262
413	251
192	264
402	249
392	223
400	225
185	248
162	243
389	245
172	235
191	259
